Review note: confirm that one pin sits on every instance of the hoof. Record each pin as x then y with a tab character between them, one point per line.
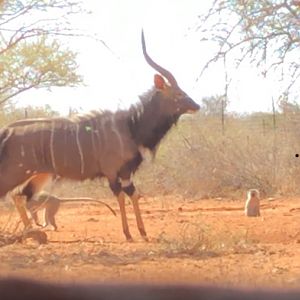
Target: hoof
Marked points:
129	239
145	238
49	228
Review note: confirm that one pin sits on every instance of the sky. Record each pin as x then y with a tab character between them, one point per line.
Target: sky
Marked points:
114	79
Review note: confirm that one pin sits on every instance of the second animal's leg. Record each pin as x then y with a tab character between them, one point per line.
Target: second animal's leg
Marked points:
20	203
34	216
33	207
52	208
130	190
117	190
53	222
46	219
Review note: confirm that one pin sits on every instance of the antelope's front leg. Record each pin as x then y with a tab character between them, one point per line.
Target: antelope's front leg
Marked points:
20	203
130	190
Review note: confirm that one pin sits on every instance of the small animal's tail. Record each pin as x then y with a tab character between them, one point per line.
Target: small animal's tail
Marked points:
108	206
87	199
5	134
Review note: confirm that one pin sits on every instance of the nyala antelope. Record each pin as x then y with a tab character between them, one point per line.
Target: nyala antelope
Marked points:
51	204
98	144
252	205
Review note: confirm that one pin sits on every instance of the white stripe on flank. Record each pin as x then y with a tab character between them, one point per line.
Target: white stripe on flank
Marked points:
22	146
65	128
79	149
22	150
93	140
116	131
52	145
34	155
102	133
42	152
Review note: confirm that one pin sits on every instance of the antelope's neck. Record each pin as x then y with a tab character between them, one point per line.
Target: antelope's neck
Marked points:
148	125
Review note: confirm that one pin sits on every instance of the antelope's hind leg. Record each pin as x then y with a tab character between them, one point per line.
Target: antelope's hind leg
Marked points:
20	203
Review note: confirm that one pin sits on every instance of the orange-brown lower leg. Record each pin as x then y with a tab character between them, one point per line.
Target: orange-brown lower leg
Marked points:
121	200
140	224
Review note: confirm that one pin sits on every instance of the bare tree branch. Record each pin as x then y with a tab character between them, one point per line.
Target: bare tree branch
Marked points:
261	32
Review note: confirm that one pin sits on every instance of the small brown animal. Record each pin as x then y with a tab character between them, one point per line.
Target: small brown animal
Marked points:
252	203
51	205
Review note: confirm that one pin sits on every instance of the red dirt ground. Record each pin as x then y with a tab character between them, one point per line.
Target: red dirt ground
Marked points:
190	241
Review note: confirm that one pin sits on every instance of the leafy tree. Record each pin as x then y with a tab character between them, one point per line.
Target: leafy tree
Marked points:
31	54
265	33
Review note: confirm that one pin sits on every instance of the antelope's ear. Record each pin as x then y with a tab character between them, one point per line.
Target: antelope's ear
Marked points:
159	82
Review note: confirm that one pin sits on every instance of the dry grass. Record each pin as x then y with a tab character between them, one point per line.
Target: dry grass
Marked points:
197	160
200	240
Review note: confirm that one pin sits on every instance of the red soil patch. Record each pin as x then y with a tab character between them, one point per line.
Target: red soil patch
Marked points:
190	241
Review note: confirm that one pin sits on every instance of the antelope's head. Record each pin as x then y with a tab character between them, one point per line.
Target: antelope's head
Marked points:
174	100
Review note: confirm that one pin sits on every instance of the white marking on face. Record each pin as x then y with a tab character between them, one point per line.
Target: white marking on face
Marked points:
28	171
